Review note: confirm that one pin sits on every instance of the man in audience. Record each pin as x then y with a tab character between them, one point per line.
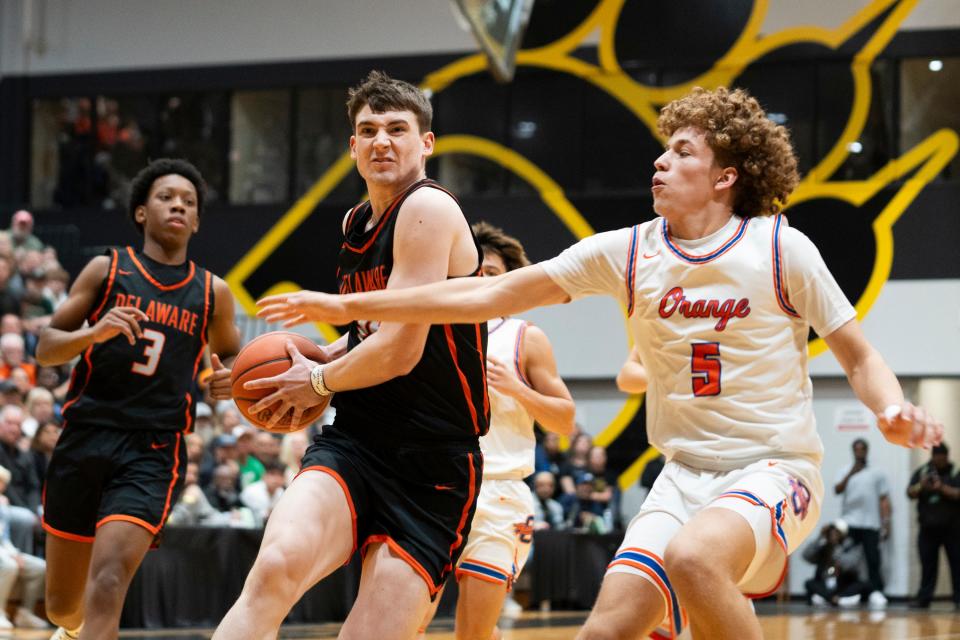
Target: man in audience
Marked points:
222	492
866	509
266	447
17	566
251	469
547	512
936	488
13	354
193	508
837	558
262	496
21	232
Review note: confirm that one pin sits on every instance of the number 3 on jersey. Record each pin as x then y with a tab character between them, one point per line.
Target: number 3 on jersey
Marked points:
152	351
705	368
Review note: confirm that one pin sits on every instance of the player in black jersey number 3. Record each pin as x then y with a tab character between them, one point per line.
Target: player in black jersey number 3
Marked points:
396	475
140	322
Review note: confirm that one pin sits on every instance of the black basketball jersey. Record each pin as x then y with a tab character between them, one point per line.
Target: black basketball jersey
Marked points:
444	398
150	384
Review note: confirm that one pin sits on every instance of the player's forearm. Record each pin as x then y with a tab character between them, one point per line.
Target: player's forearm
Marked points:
56	346
552	413
374	361
337	348
874	383
460	300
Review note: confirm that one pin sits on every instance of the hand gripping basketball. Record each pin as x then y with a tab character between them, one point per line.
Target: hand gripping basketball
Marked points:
271	382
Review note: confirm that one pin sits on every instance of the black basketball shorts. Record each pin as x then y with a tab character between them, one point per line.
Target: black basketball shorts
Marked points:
417	500
99	475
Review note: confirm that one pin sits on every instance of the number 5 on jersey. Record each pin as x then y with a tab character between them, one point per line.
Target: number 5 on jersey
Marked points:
152	351
705	368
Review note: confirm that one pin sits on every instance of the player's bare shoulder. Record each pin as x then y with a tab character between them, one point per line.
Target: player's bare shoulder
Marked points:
432	205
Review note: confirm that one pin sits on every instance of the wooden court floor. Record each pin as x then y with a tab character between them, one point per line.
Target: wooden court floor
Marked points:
789	622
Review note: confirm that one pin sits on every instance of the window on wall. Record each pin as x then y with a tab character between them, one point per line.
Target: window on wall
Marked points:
260	147
929	99
322	136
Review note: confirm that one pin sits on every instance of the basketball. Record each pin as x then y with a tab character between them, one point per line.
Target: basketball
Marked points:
264	357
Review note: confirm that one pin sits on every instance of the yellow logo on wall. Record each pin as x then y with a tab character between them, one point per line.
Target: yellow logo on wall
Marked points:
880	20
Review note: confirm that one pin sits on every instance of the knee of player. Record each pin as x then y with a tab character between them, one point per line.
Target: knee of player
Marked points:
276	571
685	560
108	582
598	629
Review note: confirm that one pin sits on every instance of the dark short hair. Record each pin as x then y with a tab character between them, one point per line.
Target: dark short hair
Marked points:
383	93
940	448
273	466
143	182
509	249
860	441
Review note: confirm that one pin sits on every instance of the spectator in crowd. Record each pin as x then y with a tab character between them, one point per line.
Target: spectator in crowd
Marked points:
17	566
10	394
262	496
837	558
35	307
292	448
251	469
606	493
58	282
224	449
41	447
12	353
548	455
222	492
266	447
585	514
866	509
936	488
203	425
21	232
193	508
50	379
576	462
40	408
10	290
23	489
195	449
230	417
547	512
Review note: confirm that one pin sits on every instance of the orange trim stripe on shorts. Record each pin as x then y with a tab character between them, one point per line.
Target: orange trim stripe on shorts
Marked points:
464	517
173	480
63	534
119	517
346	493
406	557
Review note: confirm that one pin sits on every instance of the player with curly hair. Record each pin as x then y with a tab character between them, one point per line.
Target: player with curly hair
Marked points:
721	295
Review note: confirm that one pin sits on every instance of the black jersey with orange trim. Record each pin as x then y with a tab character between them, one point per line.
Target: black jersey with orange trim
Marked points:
150	384
444	397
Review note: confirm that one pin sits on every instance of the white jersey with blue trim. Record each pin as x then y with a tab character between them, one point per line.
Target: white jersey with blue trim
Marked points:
721	323
508	447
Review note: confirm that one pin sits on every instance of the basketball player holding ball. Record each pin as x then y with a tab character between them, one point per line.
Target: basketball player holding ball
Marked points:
396	476
721	295
141	321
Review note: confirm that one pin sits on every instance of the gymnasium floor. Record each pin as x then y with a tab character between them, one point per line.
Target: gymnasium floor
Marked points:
785	622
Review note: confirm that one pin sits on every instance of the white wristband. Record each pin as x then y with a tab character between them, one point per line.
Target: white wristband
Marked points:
891	412
316	381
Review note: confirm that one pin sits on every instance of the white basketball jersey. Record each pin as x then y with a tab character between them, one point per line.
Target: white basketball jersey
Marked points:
508	447
721	323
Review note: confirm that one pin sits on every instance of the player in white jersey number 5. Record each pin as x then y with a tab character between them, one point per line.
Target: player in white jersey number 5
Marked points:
524	386
721	294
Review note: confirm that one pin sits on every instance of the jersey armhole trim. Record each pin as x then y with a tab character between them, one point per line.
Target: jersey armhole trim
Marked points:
779	283
111	277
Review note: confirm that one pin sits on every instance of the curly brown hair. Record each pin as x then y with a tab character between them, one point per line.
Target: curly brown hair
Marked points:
741	136
493	239
384	93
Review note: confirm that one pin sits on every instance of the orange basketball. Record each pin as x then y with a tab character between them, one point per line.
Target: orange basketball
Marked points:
264	357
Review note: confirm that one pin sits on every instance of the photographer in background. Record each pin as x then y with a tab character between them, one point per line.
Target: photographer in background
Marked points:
837	580
936	488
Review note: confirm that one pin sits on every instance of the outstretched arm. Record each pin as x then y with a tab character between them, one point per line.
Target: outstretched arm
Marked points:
877	387
460	300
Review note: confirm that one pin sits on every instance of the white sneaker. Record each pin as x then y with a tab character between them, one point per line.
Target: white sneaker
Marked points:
818	600
849	602
63	634
26	619
878	600
511	608
5	621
